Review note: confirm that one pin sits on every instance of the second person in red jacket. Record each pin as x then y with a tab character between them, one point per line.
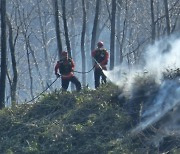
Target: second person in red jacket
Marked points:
66	67
101	57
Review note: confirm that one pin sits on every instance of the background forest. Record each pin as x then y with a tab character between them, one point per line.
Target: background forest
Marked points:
35	32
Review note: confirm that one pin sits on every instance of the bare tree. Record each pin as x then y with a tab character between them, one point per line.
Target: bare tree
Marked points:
118	34
94	30
88	41
13	83
112	38
123	38
153	24
3	54
44	43
57	27
120	38
82	43
133	28
66	27
35	62
167	17
29	65
25	27
73	32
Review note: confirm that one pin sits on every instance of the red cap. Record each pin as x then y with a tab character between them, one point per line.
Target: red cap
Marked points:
100	44
64	53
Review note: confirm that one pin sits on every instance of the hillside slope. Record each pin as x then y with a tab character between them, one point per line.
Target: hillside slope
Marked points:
92	121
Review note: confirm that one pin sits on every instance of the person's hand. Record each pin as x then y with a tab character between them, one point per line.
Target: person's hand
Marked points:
103	66
97	66
57	75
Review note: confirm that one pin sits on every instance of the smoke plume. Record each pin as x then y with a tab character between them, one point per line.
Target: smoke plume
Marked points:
159	59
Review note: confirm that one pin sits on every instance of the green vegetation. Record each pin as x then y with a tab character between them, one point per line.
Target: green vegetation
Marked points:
92	121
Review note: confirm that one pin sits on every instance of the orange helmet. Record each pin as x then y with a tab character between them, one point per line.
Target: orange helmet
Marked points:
100	44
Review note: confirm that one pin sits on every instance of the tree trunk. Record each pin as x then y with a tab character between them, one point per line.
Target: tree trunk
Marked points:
73	38
118	36
158	25
72	32
57	27
29	67
66	27
113	19
122	41
94	30
123	34
173	27
82	44
88	44
153	24
167	17
14	68
3	54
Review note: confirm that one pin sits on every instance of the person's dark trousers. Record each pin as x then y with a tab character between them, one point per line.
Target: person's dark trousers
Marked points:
74	80
97	74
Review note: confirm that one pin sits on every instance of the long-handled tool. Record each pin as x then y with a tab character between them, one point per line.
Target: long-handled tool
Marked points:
97	63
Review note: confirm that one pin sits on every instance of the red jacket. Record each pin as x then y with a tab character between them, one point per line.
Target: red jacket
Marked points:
101	56
65	68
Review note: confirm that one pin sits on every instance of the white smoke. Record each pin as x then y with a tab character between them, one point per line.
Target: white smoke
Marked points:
166	99
163	55
159	57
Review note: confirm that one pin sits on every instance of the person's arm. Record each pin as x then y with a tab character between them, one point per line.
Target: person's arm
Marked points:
105	61
72	65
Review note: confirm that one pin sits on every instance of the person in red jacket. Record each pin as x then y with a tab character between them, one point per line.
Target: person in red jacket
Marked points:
101	57
66	67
